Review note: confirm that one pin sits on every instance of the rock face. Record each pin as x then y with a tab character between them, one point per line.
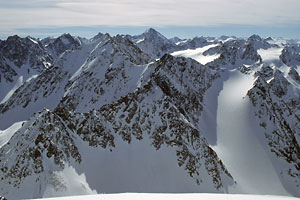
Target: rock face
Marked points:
20	58
277	113
21	51
234	53
291	55
57	46
111	71
153	43
24	58
119	114
258	43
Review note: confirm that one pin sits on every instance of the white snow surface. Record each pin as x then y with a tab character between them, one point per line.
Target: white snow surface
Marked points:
197	54
187	196
271	55
136	167
71	183
238	144
6	134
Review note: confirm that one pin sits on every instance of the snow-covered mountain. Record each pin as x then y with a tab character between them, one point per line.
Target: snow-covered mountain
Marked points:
20	59
156	45
57	46
291	55
153	43
121	114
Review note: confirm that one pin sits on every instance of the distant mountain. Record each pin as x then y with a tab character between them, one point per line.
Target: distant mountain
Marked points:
57	46
20	59
24	58
152	43
121	114
291	55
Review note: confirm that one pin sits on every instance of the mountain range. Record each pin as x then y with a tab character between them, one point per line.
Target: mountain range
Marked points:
145	113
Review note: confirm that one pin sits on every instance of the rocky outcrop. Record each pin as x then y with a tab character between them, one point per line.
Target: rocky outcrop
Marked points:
43	143
275	113
234	52
290	55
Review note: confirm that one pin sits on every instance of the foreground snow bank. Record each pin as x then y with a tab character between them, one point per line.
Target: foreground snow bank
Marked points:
143	196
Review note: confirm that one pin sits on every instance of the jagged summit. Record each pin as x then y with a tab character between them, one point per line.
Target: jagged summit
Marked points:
151	33
99	35
57	46
152	43
291	55
255	37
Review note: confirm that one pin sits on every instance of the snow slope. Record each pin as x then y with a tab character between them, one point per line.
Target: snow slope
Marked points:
197	54
271	55
237	143
144	196
135	167
121	147
5	135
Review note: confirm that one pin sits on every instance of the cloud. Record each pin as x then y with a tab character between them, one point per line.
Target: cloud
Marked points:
16	14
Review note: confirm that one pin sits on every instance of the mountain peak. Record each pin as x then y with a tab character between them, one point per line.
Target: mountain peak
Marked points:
13	38
66	35
99	35
255	37
152	33
66	38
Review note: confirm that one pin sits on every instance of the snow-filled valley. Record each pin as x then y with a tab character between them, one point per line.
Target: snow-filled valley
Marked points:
147	114
237	142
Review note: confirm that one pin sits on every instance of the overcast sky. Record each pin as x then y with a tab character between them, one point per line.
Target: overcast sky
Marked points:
52	17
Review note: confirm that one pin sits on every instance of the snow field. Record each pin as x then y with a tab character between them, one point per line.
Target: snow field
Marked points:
194	196
197	54
237	144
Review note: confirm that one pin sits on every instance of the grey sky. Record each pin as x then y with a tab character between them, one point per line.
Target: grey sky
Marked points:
20	14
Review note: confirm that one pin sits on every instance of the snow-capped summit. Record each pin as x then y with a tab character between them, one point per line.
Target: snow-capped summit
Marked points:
291	55
20	60
234	53
112	69
153	43
255	37
22	51
258	43
152	33
61	44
